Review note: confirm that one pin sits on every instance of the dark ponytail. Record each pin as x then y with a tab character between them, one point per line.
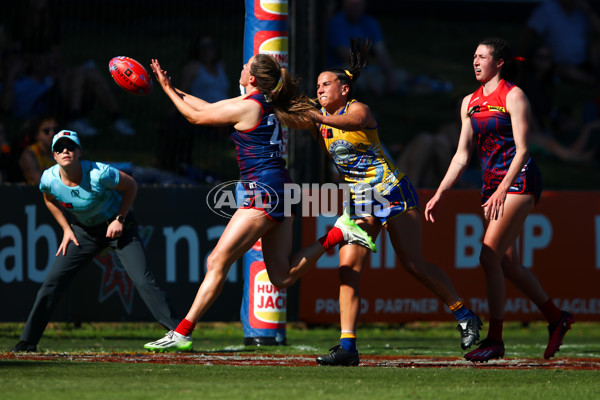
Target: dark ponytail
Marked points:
357	61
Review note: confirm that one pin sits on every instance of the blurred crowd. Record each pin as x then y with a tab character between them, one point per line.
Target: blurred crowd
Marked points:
559	48
561	44
40	93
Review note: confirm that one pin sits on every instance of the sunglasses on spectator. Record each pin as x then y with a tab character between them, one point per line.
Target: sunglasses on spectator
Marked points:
60	147
50	129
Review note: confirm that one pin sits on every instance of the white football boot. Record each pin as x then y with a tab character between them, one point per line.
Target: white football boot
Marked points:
172	341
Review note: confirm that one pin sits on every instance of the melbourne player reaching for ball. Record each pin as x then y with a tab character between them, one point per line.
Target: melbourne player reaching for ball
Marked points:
382	197
256	117
496	117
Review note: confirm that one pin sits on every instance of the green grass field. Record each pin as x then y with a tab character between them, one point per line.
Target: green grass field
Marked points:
64	377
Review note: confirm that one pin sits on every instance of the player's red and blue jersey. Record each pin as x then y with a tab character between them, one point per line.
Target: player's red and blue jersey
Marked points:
259	148
496	143
262	168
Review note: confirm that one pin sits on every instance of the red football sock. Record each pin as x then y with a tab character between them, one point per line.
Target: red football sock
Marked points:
185	327
550	311
495	329
332	238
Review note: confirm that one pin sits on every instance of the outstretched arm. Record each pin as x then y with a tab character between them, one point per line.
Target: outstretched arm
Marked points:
197	111
358	117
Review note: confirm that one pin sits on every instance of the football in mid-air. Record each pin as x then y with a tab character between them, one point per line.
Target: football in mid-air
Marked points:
130	75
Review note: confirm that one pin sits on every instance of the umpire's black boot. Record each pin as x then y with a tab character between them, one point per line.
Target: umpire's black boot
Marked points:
339	356
24	347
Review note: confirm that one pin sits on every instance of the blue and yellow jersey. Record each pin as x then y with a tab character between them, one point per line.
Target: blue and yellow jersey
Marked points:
359	156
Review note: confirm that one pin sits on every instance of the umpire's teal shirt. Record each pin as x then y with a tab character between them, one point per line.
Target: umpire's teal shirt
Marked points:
94	200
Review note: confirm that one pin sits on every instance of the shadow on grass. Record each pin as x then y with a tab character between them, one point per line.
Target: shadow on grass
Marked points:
21	363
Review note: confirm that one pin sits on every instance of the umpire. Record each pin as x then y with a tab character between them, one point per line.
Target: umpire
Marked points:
99	197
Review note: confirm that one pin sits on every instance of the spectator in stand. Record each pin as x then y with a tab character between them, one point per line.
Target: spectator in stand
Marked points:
569	139
26	89
571	29
352	22
538	83
554	130
425	157
38	156
381	77
42	82
5	155
203	76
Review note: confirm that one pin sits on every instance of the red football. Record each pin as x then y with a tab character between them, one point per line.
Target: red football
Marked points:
130	75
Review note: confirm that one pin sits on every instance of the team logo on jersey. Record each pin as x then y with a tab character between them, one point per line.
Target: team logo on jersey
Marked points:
496	108
473	110
364	148
341	151
476	109
66	205
489	145
327	133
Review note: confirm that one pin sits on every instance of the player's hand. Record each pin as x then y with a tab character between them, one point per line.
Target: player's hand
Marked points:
68	236
161	76
115	230
431	207
315	116
493	208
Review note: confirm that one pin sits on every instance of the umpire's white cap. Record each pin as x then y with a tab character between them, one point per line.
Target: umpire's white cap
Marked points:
64	134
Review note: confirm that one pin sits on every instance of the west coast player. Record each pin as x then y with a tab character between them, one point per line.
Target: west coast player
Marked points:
382	196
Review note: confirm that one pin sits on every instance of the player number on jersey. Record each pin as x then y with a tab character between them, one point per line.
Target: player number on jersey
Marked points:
276	137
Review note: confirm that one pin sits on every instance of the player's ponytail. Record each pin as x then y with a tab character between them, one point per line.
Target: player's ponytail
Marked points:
358	59
291	108
280	89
